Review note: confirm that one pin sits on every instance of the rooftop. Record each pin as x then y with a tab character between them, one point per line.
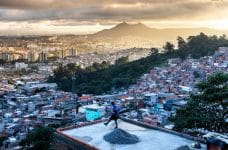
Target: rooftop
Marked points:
149	138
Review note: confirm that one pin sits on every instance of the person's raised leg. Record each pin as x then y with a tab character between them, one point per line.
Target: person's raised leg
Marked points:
110	119
106	123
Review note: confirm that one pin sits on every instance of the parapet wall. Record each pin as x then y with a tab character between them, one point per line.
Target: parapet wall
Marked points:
146	125
64	142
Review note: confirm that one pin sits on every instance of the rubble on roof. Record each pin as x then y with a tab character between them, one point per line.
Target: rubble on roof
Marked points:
119	136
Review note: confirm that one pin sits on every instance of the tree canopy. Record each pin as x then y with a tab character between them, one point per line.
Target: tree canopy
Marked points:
168	47
38	139
208	109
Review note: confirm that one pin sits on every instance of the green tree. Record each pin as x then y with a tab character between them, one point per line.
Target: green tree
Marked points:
2	62
168	47
1	140
181	43
196	74
121	60
208	109
38	139
154	51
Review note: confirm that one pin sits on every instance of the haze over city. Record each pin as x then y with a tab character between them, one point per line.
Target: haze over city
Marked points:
32	17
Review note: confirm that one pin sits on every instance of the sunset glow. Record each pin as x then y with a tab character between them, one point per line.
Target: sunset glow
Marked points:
72	16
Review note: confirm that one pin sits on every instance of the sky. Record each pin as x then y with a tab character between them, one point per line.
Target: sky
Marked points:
19	17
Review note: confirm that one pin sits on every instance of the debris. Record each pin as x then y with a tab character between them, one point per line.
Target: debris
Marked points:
185	147
119	136
196	145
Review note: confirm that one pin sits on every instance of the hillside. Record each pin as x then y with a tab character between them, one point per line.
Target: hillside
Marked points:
103	78
124	29
142	31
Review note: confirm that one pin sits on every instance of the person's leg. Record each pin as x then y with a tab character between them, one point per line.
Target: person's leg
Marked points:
116	118
110	119
106	123
116	123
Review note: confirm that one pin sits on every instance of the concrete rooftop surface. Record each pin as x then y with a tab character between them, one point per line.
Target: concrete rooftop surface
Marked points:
149	139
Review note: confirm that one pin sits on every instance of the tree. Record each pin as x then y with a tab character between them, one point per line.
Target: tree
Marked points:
201	44
105	64
121	60
196	74
154	51
2	62
168	47
208	109
38	139
181	43
2	138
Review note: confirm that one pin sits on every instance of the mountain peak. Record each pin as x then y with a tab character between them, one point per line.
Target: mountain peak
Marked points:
123	24
141	25
134	26
125	29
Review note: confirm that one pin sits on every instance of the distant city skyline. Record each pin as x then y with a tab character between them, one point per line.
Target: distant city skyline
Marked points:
31	17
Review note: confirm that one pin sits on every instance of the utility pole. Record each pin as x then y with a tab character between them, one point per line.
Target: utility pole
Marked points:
73	78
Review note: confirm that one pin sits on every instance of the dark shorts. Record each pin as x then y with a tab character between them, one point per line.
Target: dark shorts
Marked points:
114	117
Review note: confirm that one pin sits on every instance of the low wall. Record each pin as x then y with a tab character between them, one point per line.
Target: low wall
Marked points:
146	125
64	142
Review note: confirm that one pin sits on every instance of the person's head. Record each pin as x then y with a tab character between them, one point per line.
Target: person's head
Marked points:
112	103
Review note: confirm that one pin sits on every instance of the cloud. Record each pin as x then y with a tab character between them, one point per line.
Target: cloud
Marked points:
90	12
56	4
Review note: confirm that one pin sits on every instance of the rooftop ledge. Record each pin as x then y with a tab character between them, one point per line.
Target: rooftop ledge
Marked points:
89	136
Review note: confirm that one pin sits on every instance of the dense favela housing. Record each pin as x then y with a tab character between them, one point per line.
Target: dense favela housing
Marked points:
30	104
113	75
